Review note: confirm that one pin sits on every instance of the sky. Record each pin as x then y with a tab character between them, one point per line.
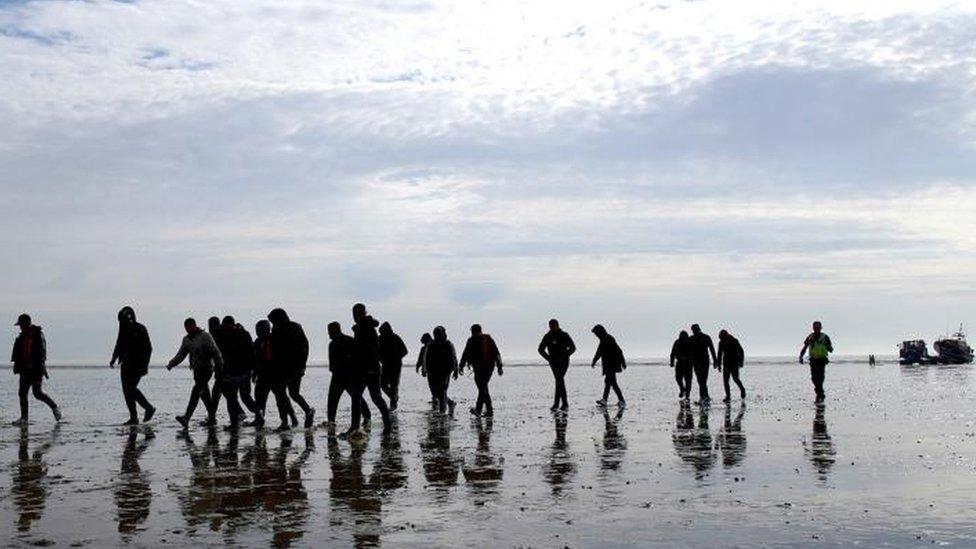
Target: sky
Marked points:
745	165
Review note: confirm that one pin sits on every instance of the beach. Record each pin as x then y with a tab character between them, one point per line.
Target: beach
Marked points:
889	460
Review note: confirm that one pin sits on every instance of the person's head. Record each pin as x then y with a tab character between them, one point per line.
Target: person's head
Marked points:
695	329
599	331
683	335
817	326
723	334
262	328
553	324
386	329
425	339
24	321
335	330
228	322
358	312
213	324
190	325
126	315
440	334
278	316
476	329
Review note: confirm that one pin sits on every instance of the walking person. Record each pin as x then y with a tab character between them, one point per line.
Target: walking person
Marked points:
366	356
556	347
205	357
29	356
343	369
291	357
133	350
731	358
237	348
613	362
701	349
422	369
441	363
392	350
481	353
268	380
681	362
819	345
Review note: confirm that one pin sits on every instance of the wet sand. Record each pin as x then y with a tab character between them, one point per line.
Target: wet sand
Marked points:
890	460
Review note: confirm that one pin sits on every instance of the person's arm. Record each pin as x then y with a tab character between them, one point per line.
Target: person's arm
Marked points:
829	345
149	349
674	352
117	349
623	360
542	347
711	349
42	344
218	358
180	355
498	355
402	347
454	360
420	357
722	353
597	355
333	356
572	346
803	350
742	354
304	345
465	355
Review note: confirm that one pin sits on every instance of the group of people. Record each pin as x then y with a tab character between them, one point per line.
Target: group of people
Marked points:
368	361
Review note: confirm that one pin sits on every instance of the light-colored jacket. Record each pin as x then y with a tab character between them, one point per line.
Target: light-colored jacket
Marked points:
202	350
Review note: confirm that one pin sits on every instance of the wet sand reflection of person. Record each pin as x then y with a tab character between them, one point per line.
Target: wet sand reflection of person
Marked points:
389	470
694	444
484	473
614	443
441	467
731	441
29	478
132	494
821	447
355	504
561	468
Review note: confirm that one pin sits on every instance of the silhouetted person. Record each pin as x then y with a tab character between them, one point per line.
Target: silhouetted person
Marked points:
681	362
612	361
291	356
820	347
556	347
132	351
422	369
481	353
441	363
392	351
268	380
366	357
237	348
205	357
29	356
217	391
342	366
731	358
701	349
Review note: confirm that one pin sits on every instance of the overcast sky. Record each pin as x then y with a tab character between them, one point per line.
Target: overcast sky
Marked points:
645	165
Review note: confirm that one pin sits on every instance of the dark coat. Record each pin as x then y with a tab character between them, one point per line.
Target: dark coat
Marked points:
341	356
610	355
481	353
29	354
133	349
556	347
290	349
391	350
367	349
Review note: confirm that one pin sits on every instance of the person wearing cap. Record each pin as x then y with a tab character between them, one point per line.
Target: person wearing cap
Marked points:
612	361
30	363
731	357
133	350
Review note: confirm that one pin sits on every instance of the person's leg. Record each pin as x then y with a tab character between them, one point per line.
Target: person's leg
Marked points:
22	390
395	372
336	388
432	386
295	392
40	395
555	391
376	395
686	373
616	389
701	374
726	373
283	403
817	368
244	390
489	408
234	410
128	388
561	394
679	378
735	378
261	391
355	390
214	394
606	386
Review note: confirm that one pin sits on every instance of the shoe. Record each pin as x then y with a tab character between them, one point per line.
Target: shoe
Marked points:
148	414
681	394
257	423
393	404
564	407
621	404
357	434
489	413
209	422
232	427
601	403
132	421
726	400
474	412
555	408
294	422
19	422
57	413
282	428
309	418
183	420
450	407
742	395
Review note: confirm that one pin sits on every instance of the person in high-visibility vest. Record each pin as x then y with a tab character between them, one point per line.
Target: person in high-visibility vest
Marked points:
819	345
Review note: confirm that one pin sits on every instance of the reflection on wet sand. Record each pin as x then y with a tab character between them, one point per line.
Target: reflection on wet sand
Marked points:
560	470
355	505
441	467
694	445
731	440
821	448
230	490
485	471
132	493
30	479
614	443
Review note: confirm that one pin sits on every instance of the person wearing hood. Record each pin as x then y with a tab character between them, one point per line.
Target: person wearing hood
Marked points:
133	349
29	356
237	348
205	357
681	362
422	370
366	358
613	362
392	351
342	366
267	380
482	354
291	357
731	357
441	363
556	347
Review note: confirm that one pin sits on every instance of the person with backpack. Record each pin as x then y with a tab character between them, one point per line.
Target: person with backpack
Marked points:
29	356
819	346
440	361
132	351
612	358
731	358
482	354
291	357
391	350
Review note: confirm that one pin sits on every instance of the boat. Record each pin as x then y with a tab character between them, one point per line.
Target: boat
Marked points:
954	349
915	351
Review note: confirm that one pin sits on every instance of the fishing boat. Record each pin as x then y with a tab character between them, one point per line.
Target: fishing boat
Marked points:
915	351
954	349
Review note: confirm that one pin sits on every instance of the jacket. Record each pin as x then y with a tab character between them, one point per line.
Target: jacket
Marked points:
29	354
556	347
481	353
366	350
133	349
610	355
290	348
202	350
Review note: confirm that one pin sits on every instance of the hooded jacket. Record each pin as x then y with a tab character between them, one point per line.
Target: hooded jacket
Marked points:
290	348
392	349
29	354
366	349
440	359
730	352
610	355
341	351
556	347
202	350
133	349
236	347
